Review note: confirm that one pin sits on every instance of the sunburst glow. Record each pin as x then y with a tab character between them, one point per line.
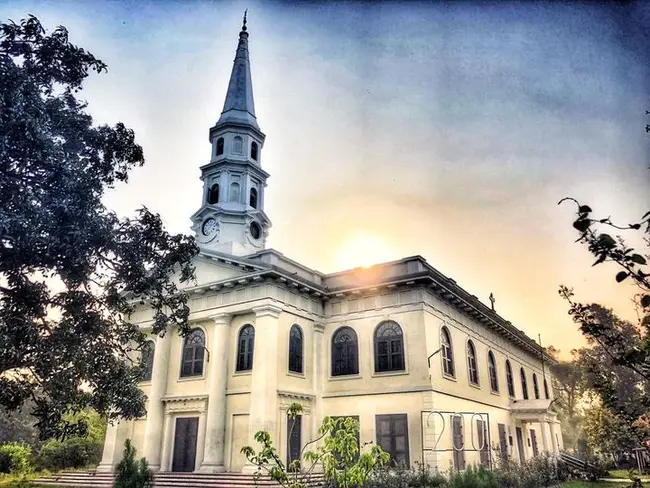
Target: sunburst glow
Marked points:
364	249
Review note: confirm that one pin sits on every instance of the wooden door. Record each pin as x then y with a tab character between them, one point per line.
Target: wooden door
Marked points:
520	444
503	443
294	439
185	444
533	440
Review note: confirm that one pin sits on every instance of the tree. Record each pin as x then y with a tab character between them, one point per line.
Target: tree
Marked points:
130	473
71	271
569	387
338	453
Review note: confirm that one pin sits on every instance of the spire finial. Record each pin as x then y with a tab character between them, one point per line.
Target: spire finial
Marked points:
243	27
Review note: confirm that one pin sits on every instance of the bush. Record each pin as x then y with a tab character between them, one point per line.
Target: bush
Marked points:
5	463
474	478
75	452
420	477
542	471
131	473
18	456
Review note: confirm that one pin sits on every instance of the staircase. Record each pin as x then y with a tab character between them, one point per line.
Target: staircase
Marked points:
89	479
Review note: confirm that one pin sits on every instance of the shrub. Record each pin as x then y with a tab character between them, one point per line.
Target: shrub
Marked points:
474	478
420	477
75	452
18	456
5	463
130	473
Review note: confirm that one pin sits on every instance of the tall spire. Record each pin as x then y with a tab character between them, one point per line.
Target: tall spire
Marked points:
239	107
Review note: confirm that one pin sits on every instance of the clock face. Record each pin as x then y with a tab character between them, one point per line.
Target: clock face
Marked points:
209	227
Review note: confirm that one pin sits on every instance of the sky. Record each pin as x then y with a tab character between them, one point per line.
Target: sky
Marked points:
446	130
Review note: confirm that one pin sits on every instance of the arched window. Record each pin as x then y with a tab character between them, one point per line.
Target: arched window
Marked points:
448	367
472	365
492	367
524	384
193	353
220	146
546	393
535	387
389	347
345	354
234	192
510	379
146	359
295	349
254	150
213	194
252	199
245	348
238	145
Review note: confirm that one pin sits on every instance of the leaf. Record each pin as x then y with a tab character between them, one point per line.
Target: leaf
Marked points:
600	259
621	275
638	259
582	224
645	301
584	209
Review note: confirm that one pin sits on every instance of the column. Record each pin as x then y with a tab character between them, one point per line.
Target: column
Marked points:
551	427
215	425
542	428
108	456
155	407
167	443
318	367
264	382
200	441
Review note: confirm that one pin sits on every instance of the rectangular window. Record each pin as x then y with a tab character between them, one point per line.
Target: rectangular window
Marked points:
458	442
392	436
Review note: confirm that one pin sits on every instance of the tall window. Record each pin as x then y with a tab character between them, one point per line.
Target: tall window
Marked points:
234	192
245	348
510	379
220	146
345	355
213	194
238	145
492	367
524	384
389	347
254	151
146	358
193	353
546	394
295	349
535	387
393	437
458	442
252	199
472	365
447	353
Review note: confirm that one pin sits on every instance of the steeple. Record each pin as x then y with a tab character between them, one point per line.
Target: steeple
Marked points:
239	107
231	218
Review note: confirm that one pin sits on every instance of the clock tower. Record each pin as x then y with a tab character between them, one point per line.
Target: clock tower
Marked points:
231	218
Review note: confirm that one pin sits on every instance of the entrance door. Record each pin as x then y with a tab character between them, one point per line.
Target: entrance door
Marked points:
503	446
520	444
533	440
185	444
294	435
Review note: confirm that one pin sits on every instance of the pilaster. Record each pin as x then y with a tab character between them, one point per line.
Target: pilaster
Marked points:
264	382
155	407
318	368
108	456
215	430
167	443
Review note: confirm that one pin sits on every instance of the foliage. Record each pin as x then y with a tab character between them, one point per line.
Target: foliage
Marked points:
130	473
474	478
338	453
74	452
19	456
422	476
569	387
18	426
71	271
544	470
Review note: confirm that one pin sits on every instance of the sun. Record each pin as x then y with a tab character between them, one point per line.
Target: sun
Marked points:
364	249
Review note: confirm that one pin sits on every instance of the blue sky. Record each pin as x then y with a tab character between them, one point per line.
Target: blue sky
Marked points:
446	130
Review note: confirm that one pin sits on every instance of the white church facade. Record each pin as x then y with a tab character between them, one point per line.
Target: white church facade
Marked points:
432	374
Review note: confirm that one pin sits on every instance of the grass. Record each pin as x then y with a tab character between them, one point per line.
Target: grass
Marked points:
593	484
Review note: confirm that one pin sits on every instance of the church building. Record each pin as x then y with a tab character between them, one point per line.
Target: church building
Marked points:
431	373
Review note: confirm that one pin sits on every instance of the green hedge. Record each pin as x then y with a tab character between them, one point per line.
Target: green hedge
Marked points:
15	458
76	452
